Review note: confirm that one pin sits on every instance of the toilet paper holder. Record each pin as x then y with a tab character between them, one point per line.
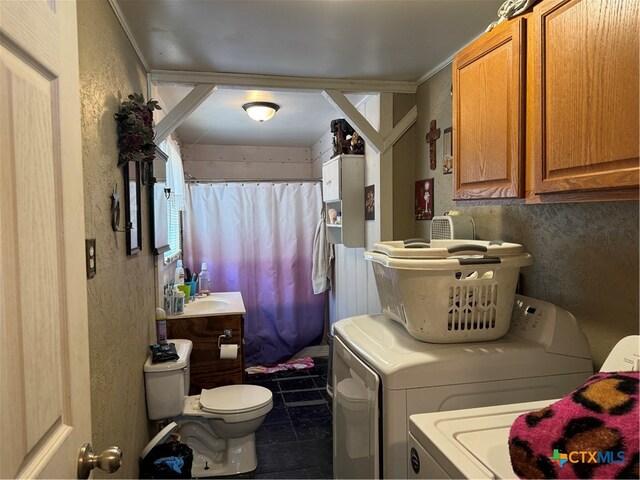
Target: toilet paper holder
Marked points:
227	333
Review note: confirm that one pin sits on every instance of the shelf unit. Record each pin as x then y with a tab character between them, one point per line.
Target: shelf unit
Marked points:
343	191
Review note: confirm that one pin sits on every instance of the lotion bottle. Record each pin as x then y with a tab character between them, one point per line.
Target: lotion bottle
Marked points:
179	275
161	326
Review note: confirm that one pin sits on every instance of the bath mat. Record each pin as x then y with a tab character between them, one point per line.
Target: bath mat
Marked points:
293	364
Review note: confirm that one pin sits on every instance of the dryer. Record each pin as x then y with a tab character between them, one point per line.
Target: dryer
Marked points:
381	375
473	443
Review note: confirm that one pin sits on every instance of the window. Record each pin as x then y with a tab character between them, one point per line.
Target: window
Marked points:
173	227
175	181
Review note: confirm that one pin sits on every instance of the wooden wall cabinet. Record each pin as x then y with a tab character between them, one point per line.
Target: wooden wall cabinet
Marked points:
343	191
207	370
584	104
489	116
574	65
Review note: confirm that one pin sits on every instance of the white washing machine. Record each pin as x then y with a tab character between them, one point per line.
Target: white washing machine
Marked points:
473	443
381	375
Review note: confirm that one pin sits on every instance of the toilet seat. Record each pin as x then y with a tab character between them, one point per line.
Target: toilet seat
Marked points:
232	399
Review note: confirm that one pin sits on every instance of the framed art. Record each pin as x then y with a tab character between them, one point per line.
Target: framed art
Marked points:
370	202
447	157
424	199
133	217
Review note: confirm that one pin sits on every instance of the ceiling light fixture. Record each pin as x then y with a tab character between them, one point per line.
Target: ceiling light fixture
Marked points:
261	111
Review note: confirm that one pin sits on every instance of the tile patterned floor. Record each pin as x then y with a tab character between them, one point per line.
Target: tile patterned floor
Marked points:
295	440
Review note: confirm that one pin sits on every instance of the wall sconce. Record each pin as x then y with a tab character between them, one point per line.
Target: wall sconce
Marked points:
261	111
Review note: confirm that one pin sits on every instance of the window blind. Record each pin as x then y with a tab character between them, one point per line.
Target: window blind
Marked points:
174	227
175	181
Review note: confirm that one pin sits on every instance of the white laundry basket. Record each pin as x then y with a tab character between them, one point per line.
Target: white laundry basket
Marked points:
448	291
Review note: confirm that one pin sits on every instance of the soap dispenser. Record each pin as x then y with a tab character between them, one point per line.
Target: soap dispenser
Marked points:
179	275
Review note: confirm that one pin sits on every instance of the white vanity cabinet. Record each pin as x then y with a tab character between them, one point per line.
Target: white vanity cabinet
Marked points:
343	191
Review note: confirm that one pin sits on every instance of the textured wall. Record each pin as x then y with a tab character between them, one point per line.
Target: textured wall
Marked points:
121	296
404	158
434	103
585	259
585	254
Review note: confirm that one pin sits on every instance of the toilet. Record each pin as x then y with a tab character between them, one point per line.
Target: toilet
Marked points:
218	425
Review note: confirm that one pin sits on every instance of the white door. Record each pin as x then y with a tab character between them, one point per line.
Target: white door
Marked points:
44	362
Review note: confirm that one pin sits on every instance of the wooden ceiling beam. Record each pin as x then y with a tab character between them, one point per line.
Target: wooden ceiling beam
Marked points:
291	84
182	110
373	138
377	140
403	125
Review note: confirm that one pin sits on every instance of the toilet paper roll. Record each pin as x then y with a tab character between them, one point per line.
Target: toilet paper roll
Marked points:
229	351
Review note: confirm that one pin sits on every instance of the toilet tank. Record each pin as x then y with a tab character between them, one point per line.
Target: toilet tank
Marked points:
167	383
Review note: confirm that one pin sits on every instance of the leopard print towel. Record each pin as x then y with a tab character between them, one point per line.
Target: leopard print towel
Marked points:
590	433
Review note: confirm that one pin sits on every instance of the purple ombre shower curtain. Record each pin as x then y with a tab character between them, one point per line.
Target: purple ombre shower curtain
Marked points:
257	238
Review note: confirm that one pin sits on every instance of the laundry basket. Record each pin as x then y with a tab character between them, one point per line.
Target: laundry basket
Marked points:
448	291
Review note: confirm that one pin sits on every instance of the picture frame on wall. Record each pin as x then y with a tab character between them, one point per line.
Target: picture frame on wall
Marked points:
424	199
370	202
133	216
447	156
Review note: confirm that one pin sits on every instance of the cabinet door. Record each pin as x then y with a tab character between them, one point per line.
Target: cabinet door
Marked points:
331	180
207	369
584	112
488	114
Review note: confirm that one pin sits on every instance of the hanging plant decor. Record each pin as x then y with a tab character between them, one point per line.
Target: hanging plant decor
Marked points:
135	130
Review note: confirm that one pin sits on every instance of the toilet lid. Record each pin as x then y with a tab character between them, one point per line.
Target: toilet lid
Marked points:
234	398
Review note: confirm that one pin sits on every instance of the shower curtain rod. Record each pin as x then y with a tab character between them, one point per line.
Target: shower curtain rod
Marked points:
262	180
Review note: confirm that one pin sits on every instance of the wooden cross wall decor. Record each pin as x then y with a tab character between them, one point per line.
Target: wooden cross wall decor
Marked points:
432	136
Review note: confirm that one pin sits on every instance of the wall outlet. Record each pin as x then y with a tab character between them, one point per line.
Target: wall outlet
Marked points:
90	255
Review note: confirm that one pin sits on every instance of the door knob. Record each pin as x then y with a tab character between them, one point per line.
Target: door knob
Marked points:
108	461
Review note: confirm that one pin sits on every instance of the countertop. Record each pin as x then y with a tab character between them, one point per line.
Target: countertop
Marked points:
215	304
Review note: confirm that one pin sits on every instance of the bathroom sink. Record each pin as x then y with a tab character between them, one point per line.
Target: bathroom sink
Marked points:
216	304
207	304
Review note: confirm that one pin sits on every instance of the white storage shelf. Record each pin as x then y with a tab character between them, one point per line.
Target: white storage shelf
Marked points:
343	191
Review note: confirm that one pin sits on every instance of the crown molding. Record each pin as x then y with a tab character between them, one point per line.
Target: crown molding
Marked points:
442	65
127	31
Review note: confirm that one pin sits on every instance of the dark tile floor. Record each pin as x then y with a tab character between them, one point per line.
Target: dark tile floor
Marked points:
295	440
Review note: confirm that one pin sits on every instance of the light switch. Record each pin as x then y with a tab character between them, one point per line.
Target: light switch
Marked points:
90	254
